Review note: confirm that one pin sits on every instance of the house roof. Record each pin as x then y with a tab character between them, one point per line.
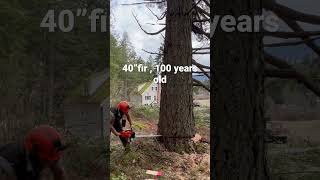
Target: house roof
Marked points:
94	89
145	87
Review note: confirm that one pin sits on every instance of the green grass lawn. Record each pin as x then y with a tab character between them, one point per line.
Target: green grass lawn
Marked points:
300	158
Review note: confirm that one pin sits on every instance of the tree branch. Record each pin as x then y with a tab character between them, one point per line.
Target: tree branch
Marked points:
281	64
201	53
296	27
206	2
158	17
286	35
283	13
203	72
198	30
288	72
203	12
153	33
154	24
201	20
199	65
154	53
145	2
202	48
199	83
194	6
291	43
290	13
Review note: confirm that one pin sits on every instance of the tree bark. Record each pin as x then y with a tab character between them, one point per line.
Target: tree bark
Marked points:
176	122
238	96
51	84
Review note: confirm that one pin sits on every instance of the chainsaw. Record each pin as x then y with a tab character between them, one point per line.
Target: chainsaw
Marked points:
130	134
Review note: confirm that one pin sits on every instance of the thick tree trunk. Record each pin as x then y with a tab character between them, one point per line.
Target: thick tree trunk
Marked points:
238	98
176	122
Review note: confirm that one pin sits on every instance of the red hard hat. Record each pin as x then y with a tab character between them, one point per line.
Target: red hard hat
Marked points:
45	141
124	106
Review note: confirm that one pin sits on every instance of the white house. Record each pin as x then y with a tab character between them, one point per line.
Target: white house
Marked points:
147	94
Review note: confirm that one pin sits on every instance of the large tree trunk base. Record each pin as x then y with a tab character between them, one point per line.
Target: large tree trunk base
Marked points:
178	145
176	119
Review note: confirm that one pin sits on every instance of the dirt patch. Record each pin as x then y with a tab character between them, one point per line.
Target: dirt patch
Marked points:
148	154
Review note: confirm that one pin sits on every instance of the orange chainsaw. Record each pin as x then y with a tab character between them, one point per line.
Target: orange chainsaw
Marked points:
130	134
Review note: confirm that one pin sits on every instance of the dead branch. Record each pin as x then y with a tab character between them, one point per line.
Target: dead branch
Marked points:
202	68
153	33
154	53
199	65
296	27
154	14
154	24
202	48
201	20
164	14
202	71
281	64
202	12
291	43
201	52
292	74
145	2
287	35
162	36
290	13
198	30
199	83
290	17
193	7
288	72
195	50
206	2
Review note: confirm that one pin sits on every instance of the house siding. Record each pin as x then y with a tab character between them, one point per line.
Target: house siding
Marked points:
150	89
152	92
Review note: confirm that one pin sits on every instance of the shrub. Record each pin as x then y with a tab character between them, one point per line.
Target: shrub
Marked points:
146	112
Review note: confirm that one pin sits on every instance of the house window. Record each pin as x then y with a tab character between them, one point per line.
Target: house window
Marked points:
155	98
156	88
147	97
151	88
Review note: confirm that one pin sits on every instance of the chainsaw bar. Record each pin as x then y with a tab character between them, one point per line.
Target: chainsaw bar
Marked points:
147	135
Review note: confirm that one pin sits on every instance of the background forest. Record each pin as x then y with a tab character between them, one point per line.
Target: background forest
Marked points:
123	83
39	69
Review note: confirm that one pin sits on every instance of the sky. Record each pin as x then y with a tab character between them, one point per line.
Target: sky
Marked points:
300	51
122	20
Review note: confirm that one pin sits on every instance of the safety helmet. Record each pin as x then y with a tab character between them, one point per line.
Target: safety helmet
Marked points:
124	107
45	142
